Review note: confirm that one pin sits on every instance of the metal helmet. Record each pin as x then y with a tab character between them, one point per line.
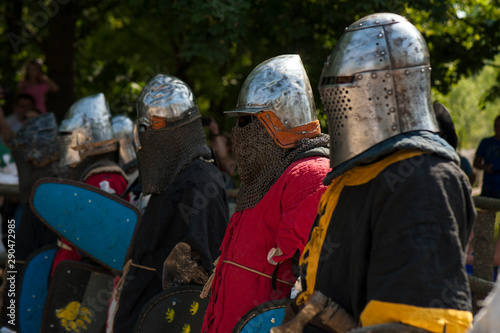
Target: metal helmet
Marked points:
165	101
86	130
35	149
279	94
376	85
123	127
169	132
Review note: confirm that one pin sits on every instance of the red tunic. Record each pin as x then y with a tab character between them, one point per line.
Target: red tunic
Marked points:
283	218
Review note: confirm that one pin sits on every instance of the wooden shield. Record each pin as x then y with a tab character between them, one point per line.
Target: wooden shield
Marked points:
178	309
78	298
263	317
97	223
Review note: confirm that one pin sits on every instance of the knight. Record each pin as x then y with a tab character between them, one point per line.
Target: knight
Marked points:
388	243
187	209
282	157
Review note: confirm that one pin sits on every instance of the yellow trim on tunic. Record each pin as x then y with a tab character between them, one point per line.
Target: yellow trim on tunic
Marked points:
356	176
431	319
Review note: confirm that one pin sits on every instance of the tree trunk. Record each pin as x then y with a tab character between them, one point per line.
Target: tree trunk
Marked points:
60	50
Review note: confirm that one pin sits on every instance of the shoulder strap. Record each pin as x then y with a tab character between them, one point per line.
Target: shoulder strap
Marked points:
316	151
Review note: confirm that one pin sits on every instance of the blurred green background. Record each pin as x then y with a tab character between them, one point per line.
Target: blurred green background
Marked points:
114	47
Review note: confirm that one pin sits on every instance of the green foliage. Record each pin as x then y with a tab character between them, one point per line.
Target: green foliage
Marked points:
214	44
471	122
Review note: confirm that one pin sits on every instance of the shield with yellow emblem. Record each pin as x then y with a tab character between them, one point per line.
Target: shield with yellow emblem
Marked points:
78	298
178	309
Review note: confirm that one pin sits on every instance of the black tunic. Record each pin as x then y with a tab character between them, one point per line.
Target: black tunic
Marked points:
399	238
32	234
193	209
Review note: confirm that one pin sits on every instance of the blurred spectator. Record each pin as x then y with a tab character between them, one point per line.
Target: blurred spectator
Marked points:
36	84
488	159
221	144
447	132
24	109
467	168
211	125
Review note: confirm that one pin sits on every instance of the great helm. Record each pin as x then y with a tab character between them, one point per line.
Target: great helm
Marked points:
35	150
86	130
376	85
279	94
123	128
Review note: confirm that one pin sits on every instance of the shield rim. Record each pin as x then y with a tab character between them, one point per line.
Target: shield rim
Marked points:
114	197
65	264
255	311
158	298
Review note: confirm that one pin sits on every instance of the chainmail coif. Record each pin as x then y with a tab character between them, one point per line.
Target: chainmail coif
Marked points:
261	162
166	152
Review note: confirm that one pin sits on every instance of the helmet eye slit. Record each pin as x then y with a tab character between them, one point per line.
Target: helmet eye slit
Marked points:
338	80
245	120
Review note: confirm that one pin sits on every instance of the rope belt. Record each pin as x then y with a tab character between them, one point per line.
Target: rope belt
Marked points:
143	267
119	286
255	271
208	284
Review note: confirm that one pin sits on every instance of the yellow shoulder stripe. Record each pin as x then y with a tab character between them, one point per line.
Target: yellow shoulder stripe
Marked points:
431	319
356	176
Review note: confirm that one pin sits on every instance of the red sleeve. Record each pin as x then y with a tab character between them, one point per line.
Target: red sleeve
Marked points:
109	182
300	204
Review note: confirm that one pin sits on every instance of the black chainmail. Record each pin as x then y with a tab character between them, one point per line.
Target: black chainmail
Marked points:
261	162
165	152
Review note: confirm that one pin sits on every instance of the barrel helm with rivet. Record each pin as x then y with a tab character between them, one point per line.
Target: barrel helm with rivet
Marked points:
376	85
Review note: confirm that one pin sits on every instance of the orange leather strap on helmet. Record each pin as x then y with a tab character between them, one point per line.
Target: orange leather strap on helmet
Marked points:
158	122
285	137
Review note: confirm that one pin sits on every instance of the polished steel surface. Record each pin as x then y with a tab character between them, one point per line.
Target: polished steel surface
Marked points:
376	85
164	96
280	85
123	127
88	122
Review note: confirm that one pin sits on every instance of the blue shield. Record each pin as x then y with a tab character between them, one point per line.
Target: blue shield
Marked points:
263	317
97	223
34	287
